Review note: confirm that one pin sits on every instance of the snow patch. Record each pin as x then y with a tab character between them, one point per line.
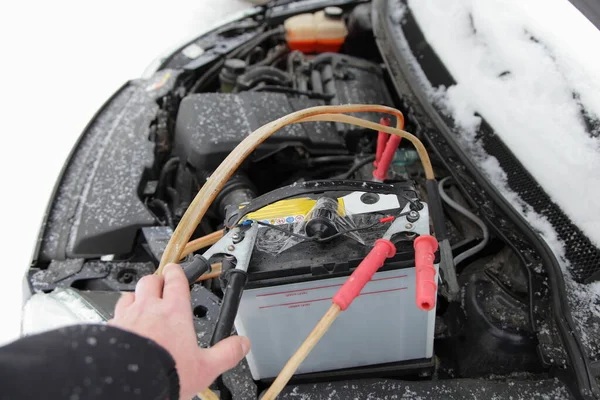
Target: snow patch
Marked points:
537	86
583	298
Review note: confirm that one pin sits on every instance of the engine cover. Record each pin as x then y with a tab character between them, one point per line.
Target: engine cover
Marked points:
210	125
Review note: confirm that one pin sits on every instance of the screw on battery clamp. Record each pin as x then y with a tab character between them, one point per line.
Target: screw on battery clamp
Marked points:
237	237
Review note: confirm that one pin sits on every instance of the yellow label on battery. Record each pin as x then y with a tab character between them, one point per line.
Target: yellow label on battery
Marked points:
289	211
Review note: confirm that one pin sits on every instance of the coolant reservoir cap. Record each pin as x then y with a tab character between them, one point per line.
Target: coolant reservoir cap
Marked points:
333	12
235	65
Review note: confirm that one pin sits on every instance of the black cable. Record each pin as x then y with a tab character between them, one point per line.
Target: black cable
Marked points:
469	215
415	203
358	165
165	209
315	172
242	51
306	188
330	159
283	89
531	298
238	27
503	287
530	291
174	196
320	240
283	230
273	58
295	56
309	162
263	75
315	239
256	53
361	228
207	76
164	173
233	282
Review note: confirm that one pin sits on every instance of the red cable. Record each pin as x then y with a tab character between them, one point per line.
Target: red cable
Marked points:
382	139
384	163
364	272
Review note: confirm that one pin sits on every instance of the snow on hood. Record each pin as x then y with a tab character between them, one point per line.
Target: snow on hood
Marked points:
530	69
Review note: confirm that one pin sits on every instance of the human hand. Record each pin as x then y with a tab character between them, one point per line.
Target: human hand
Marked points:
160	310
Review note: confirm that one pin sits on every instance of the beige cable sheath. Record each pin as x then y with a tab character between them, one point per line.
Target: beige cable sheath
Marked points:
213	185
348	119
216	270
214	237
201	243
208	394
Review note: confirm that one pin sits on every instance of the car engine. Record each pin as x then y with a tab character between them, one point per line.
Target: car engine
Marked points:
319	194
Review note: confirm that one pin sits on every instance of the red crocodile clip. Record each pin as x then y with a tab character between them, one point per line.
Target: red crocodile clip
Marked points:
425	247
364	272
382	139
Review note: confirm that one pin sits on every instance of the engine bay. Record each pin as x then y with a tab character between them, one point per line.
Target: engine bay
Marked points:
319	194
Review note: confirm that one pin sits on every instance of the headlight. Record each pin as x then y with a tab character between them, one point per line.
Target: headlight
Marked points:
62	307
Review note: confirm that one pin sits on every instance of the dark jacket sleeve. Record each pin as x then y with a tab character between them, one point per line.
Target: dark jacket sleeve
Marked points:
87	362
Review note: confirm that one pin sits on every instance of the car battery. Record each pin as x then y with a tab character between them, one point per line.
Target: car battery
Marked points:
289	290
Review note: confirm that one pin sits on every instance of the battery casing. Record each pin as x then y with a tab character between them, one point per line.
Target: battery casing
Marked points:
383	325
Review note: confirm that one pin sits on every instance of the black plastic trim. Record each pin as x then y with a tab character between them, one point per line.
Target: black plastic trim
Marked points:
165	62
589	8
437	212
424	366
65	167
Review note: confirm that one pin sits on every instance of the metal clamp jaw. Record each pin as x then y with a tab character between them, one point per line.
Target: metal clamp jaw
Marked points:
412	221
239	243
418	222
